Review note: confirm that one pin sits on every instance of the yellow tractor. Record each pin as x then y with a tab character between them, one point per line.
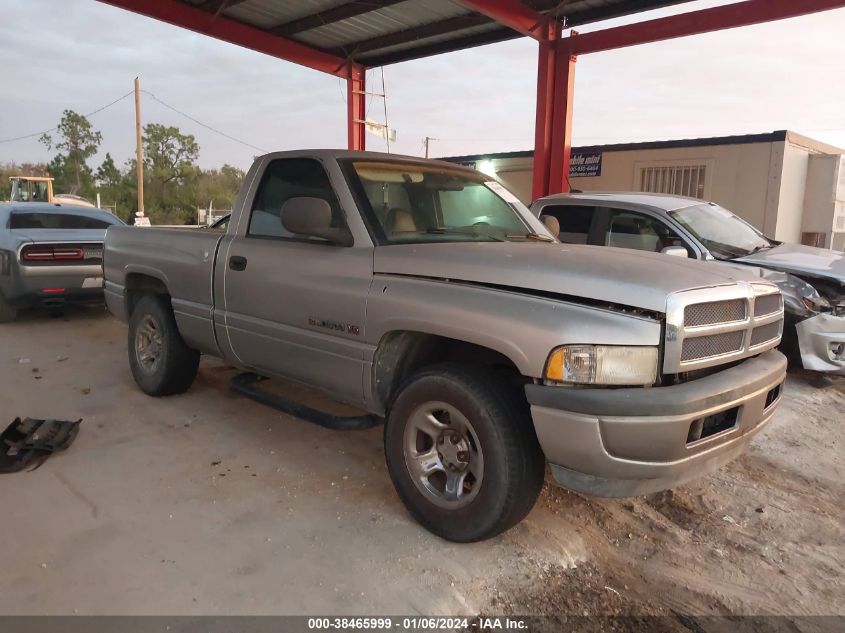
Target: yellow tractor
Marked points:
40	189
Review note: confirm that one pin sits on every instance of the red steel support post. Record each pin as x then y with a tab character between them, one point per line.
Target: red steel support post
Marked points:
564	102
545	106
356	106
553	126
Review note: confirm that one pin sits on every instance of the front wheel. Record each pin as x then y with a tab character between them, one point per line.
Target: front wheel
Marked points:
462	452
161	362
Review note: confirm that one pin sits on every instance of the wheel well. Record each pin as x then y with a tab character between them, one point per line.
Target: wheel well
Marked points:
400	354
138	285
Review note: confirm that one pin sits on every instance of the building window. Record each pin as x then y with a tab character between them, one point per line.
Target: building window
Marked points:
687	180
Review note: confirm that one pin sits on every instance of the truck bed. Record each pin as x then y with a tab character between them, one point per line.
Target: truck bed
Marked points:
180	259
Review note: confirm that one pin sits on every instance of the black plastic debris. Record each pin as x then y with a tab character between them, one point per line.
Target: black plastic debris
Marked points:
27	443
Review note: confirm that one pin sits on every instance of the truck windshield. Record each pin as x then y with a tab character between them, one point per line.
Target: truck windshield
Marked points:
725	235
418	202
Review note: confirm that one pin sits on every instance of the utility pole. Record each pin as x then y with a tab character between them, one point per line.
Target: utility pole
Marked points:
139	158
428	139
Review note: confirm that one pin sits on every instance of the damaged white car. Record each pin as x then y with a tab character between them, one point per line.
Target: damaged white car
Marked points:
812	280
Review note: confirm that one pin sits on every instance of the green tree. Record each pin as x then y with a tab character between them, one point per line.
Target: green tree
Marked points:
169	174
117	187
108	175
168	155
218	187
77	142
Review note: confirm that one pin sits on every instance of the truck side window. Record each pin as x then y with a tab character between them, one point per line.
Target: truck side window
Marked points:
575	222
287	178
628	229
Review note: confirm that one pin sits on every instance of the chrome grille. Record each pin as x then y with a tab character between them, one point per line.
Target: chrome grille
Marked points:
767	304
712	345
720	324
765	333
714	312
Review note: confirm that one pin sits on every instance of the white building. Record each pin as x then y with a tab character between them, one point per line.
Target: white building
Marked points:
787	185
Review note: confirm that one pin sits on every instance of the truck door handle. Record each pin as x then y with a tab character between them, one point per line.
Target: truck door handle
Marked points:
236	262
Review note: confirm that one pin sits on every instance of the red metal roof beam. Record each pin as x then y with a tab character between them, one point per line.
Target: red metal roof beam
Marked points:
513	14
234	32
695	23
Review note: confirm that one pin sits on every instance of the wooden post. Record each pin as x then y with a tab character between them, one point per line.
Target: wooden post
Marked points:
139	167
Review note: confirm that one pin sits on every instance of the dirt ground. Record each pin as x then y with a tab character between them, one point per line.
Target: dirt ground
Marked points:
208	503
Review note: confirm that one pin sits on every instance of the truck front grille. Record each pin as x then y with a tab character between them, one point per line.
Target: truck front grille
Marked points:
768	304
712	326
699	314
712	345
765	333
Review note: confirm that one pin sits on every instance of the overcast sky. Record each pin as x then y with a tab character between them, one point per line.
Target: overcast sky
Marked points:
81	55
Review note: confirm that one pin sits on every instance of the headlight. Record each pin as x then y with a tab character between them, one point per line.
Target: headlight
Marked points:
602	365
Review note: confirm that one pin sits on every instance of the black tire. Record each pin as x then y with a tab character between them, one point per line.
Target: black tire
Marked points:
175	367
8	312
513	463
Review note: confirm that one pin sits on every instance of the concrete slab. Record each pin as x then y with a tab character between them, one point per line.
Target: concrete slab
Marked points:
207	503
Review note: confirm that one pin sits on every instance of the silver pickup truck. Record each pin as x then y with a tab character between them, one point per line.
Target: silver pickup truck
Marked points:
427	295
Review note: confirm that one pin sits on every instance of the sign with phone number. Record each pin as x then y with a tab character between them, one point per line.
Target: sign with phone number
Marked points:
585	165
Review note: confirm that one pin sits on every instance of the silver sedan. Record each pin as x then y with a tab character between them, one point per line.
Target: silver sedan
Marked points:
50	255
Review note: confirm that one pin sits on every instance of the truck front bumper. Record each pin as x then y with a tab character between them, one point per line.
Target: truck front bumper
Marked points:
821	341
627	442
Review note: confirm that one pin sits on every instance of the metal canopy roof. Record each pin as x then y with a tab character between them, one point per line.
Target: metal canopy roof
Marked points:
379	32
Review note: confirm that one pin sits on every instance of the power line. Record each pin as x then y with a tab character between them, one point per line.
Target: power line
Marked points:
54	128
213	129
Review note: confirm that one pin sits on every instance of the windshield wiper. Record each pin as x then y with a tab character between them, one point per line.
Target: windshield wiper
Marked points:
531	236
757	249
448	231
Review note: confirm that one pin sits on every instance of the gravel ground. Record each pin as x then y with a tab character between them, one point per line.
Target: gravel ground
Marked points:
207	503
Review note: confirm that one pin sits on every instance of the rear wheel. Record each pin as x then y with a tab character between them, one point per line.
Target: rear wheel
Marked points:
8	312
462	452
161	362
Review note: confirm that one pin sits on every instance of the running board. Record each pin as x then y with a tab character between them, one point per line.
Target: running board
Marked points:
245	385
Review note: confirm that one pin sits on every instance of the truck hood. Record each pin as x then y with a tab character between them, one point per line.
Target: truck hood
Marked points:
621	276
801	260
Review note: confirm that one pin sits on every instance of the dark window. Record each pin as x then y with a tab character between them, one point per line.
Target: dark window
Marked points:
60	221
284	179
628	229
575	222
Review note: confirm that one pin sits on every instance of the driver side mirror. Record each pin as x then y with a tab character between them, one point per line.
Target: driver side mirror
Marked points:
675	251
312	217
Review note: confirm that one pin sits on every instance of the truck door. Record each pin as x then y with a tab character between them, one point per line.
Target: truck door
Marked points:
294	306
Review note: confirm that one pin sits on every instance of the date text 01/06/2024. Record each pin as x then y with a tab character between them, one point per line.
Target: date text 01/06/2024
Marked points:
417	623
